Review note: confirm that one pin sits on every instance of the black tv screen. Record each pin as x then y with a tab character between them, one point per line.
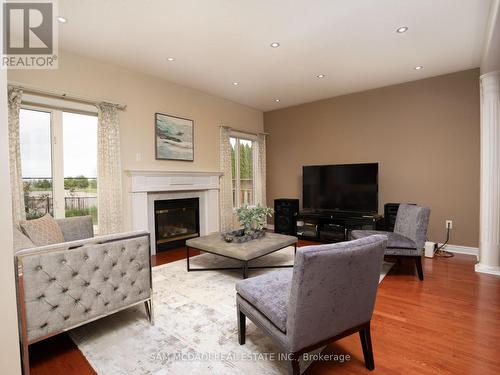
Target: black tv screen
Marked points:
346	187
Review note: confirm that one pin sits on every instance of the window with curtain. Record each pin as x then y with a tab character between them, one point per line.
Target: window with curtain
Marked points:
58	162
243	167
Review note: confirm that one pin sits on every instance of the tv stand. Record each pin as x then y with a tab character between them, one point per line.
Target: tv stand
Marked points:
334	226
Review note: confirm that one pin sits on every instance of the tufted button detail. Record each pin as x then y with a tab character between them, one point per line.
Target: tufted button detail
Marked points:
63	261
41	296
123	249
86	257
87	311
96	268
132	283
54	307
97	294
124	298
52	279
132	259
43	325
106	303
105	252
106	278
140	291
66	317
38	268
86	283
123	274
114	264
115	288
74	274
64	290
77	300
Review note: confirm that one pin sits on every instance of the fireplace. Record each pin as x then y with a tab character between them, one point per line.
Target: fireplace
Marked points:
176	220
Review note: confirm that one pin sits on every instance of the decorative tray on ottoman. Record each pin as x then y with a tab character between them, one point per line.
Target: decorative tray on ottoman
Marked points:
239	236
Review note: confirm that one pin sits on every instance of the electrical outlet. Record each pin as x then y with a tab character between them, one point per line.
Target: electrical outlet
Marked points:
449	224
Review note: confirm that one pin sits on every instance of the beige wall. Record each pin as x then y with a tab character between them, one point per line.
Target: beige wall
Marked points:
424	135
9	338
145	95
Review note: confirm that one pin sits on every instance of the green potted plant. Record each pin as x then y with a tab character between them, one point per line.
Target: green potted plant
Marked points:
253	220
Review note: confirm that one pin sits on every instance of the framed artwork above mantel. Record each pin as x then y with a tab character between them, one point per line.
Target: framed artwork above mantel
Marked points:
174	138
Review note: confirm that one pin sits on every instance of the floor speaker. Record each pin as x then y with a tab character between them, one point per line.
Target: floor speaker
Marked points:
285	216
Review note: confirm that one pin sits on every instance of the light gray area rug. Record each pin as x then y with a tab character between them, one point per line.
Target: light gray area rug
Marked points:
195	328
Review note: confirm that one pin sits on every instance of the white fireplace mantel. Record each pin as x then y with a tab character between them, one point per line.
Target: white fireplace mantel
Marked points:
153	181
145	187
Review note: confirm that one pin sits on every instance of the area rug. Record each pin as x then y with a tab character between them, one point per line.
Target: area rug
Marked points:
195	326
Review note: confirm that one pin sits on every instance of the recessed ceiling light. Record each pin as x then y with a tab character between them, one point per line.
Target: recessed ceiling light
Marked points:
275	44
277	100
419	67
171	59
236	83
402	29
321	76
61	19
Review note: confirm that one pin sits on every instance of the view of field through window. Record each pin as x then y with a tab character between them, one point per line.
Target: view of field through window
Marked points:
79	155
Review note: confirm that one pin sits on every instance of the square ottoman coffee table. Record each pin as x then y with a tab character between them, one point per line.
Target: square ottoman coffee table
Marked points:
244	252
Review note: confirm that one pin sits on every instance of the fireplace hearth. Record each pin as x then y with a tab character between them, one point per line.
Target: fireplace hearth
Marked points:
176	220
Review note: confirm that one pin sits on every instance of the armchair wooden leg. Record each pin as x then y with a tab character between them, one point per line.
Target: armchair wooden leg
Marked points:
294	362
366	344
25	357
420	271
241	327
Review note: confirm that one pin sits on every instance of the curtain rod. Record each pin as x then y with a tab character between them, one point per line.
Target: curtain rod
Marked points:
62	95
243	131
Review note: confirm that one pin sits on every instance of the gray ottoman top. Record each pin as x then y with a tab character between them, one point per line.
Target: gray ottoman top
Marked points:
214	243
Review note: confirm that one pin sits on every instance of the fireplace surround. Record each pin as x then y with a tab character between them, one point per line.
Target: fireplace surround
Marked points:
146	187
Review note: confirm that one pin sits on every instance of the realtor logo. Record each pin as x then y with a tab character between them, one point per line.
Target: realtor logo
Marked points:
30	35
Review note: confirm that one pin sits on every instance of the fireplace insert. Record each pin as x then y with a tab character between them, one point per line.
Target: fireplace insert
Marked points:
176	220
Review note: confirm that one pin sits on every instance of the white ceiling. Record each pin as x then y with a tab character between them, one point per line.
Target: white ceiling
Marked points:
217	42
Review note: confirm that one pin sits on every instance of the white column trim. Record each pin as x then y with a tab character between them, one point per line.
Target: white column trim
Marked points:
489	228
491	270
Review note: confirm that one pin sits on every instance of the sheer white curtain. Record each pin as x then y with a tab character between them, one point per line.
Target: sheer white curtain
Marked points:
109	171
16	177
226	185
260	172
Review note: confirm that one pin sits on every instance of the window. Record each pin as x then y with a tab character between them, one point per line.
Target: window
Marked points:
36	162
242	155
80	165
58	162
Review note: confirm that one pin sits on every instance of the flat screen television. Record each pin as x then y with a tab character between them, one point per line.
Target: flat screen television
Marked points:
346	187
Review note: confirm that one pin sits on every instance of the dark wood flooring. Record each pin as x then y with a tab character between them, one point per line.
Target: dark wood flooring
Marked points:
447	324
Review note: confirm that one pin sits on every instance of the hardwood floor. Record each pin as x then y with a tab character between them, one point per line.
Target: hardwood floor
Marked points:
447	324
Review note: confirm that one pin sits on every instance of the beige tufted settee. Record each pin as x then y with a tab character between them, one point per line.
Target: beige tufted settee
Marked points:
63	286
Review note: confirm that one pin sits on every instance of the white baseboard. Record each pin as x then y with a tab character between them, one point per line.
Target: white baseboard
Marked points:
462	249
490	270
270	226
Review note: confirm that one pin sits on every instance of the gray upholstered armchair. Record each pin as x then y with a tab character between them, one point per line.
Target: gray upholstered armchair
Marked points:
64	285
409	236
329	294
